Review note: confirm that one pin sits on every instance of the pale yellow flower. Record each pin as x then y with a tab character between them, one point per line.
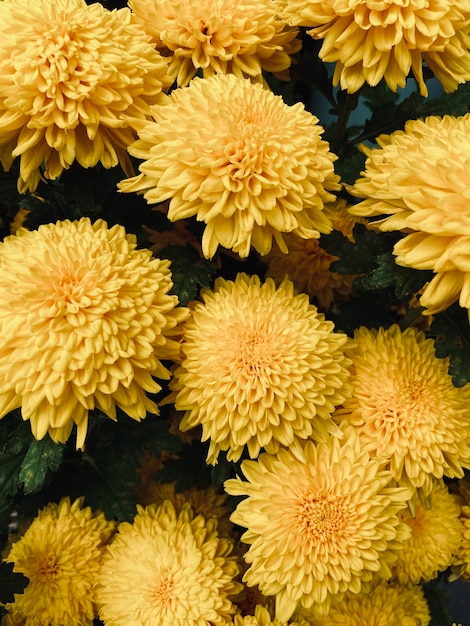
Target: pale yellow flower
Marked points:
262	617
371	41
320	526
419	180
236	157
85	319
167	568
241	37
74	76
261	368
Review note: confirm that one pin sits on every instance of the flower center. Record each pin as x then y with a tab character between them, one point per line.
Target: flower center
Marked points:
163	594
254	351
321	515
48	568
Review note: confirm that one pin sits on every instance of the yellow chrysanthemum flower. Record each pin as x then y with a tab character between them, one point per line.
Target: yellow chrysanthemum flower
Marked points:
85	318
243	162
371	41
435	537
262	617
241	37
320	526
405	407
167	568
419	179
61	555
461	562
261	368
73	77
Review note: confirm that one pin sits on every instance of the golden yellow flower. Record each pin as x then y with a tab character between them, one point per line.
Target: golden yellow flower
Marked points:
262	369
419	179
371	41
85	318
241	37
167	568
73	77
461	563
236	157
320	526
262	617
61	555
405	407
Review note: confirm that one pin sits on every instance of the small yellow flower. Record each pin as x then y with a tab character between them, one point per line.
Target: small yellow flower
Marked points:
262	617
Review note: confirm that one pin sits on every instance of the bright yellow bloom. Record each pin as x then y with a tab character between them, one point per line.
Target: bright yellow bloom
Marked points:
419	179
236	157
167	568
61	555
371	40
405	407
73	77
262	617
262	368
85	318
320	526
241	37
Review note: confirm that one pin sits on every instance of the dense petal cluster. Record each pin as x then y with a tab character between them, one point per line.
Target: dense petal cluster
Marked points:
371	41
73	76
61	554
241	37
405	406
320	526
261	368
419	180
262	617
167	568
85	318
236	157
461	562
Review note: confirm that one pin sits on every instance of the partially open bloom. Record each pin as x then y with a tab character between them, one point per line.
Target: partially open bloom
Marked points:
419	180
241	37
85	319
167	568
261	368
61	555
73	76
320	526
262	617
369	41
236	157
406	408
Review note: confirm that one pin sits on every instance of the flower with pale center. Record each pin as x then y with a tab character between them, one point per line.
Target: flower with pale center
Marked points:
74	78
318	526
85	319
261	368
168	568
405	407
236	157
418	182
370	41
60	553
241	37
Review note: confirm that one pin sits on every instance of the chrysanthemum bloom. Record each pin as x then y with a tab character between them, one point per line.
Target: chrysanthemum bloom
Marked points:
167	568
308	265
405	407
435	537
85	318
373	41
461	562
61	555
262	617
241	37
419	179
261	368
73	76
236	157
320	526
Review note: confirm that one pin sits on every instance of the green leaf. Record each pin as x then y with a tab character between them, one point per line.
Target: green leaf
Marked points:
451	332
10	582
438	603
189	271
41	457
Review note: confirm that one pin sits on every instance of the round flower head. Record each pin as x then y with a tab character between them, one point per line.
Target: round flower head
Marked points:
419	180
241	37
73	77
405	407
262	617
261	368
320	526
239	159
85	318
371	41
61	555
167	568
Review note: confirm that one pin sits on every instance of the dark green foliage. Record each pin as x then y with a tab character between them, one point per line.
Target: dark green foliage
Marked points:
41	457
451	332
189	469
189	272
10	582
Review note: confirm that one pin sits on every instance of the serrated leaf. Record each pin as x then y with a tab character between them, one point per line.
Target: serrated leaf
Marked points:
451	332
10	582
189	272
41	457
